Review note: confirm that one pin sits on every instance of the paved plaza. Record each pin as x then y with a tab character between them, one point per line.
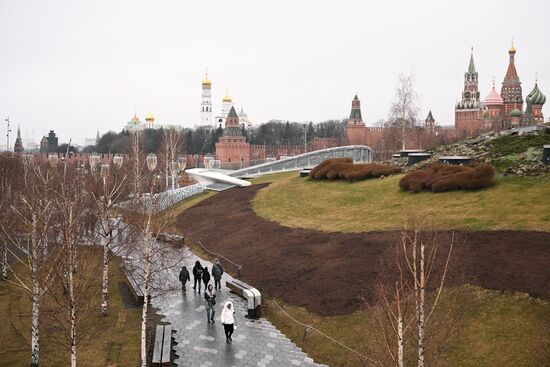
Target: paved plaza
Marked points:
200	344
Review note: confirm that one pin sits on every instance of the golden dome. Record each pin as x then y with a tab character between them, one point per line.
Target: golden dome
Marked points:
512	49
226	98
135	119
206	81
149	117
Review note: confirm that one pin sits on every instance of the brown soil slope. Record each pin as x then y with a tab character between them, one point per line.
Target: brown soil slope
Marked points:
329	272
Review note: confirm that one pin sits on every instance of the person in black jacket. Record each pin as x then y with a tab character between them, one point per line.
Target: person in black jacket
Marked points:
205	277
184	277
197	275
217	272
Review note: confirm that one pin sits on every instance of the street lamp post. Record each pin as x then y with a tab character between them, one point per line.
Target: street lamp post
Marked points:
8	131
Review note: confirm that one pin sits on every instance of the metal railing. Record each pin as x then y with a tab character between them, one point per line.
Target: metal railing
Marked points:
238	266
359	154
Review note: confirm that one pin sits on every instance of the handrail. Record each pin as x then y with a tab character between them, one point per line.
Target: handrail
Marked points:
238	266
309	327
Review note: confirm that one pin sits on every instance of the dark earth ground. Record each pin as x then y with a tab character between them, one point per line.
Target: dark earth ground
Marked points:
328	273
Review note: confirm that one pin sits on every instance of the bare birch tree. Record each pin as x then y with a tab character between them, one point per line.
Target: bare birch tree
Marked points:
171	146
404	110
35	250
422	264
106	187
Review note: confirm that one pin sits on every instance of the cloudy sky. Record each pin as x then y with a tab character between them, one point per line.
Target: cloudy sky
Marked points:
80	66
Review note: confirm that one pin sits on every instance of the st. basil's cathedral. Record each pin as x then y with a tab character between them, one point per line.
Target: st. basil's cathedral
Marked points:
497	111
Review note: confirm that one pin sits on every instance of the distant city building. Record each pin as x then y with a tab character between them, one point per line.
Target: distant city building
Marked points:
135	124
52	142
18	148
44	145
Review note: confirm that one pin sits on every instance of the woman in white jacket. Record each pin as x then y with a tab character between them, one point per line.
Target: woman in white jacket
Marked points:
228	320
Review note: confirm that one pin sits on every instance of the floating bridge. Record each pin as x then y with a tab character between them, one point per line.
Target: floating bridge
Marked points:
359	154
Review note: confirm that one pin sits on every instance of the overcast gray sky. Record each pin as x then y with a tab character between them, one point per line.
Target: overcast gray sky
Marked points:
80	66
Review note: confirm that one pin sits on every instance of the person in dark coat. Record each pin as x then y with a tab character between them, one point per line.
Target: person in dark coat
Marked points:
184	277
205	276
217	272
197	275
210	298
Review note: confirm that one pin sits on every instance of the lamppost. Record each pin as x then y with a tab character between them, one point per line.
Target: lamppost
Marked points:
8	134
179	165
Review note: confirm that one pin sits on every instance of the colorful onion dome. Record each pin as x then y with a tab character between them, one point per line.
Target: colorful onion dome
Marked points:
515	113
149	117
493	98
536	96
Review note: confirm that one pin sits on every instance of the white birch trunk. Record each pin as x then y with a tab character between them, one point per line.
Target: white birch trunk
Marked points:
400	339
421	304
105	285
4	260
73	318
35	298
146	276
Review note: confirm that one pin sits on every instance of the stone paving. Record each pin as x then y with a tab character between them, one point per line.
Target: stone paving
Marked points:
255	342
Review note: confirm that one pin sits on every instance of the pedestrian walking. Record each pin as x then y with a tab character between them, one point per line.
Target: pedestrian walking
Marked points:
210	298
217	272
205	276
197	275
184	277
228	320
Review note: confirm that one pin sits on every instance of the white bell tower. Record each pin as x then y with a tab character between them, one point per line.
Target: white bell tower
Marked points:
206	102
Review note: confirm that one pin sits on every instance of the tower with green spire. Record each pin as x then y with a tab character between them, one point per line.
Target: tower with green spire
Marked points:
18	142
470	94
468	117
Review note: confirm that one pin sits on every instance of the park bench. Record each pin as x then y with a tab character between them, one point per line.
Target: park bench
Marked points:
305	172
251	294
162	349
134	287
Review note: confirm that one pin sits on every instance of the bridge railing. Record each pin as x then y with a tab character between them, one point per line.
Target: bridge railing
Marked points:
359	154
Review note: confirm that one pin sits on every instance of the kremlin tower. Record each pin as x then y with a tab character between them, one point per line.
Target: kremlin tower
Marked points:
355	127
467	110
232	146
206	103
18	142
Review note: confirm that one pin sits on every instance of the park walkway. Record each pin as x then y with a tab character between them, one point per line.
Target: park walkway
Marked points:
255	342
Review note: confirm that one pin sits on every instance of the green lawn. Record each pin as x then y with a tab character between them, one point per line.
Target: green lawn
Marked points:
111	341
518	203
490	329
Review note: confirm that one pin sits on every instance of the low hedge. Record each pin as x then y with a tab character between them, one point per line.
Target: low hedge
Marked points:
441	177
344	169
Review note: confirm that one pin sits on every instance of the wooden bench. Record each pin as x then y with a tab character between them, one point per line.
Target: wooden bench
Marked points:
251	294
134	287
162	350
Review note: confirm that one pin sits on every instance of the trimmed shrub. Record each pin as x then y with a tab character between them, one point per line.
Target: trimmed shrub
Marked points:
343	168
441	177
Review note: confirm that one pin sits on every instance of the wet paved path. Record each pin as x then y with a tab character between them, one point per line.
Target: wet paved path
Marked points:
255	342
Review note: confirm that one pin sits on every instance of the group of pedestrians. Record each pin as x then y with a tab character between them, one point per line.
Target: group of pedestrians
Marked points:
202	275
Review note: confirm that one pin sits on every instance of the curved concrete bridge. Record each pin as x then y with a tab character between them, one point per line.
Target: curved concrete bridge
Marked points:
359	154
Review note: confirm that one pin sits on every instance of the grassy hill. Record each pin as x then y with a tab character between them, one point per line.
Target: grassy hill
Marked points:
518	203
